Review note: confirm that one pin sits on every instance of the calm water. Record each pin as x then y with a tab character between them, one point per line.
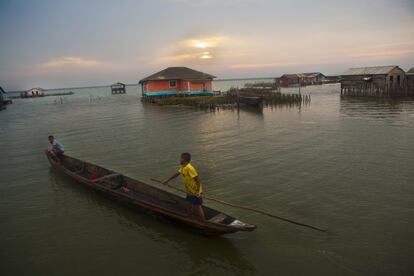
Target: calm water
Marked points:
344	165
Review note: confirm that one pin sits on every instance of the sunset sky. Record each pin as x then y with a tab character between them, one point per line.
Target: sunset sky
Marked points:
55	44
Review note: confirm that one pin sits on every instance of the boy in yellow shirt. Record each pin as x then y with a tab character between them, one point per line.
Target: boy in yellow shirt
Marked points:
192	185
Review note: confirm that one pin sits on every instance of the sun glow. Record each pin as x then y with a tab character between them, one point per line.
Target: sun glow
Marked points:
201	44
196	49
206	55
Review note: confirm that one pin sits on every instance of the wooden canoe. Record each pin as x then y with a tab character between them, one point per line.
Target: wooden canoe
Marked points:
159	203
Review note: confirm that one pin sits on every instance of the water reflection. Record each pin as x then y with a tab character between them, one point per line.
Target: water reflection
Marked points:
205	253
374	107
252	110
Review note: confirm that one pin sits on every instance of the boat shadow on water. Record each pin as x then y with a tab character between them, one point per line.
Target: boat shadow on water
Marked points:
203	251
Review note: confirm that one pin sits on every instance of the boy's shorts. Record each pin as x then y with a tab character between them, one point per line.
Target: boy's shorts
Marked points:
58	153
195	200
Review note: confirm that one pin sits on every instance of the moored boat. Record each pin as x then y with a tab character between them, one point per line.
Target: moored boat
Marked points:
152	200
250	100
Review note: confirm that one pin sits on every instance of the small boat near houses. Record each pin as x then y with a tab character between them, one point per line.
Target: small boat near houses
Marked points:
250	100
138	195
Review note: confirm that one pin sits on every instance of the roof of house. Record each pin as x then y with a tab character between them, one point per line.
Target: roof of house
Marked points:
178	73
313	74
290	75
2	90
118	84
376	70
411	71
302	75
36	88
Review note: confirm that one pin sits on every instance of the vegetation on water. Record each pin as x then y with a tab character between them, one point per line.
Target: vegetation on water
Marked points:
270	97
265	85
193	100
232	99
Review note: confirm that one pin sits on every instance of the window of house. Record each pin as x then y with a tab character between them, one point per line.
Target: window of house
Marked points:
391	78
173	83
399	79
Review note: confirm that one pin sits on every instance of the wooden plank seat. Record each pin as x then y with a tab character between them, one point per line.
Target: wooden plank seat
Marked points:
106	177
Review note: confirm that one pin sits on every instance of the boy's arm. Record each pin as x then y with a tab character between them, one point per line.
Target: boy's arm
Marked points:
170	178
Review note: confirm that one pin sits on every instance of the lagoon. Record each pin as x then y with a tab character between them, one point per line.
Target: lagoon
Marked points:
342	164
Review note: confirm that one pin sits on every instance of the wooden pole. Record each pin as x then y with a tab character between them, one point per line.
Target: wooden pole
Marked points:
246	208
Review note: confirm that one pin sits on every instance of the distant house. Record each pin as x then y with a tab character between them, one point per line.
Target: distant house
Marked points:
177	80
375	81
118	88
312	78
2	93
34	92
410	80
3	99
301	79
289	80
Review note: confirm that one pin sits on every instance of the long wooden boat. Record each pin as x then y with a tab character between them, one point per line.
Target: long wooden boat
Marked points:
159	203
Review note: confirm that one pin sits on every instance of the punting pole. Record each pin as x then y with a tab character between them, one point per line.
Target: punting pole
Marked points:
247	208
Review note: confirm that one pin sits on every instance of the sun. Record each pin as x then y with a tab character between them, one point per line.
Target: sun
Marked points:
201	44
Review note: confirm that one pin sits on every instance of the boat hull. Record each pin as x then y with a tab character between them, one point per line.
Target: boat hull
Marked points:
144	198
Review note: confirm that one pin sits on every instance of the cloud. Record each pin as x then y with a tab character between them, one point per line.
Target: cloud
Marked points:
194	49
213	49
62	62
206	2
265	65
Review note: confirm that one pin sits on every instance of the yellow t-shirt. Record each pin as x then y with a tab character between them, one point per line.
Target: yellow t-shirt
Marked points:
189	172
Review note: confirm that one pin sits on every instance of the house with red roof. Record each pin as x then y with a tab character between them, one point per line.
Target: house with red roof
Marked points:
177	81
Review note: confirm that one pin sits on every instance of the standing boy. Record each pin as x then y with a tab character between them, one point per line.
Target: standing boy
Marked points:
192	185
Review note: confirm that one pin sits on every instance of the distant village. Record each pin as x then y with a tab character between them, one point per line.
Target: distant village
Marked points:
377	81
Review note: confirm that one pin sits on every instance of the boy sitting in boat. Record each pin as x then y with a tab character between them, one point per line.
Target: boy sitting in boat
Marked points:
192	185
57	150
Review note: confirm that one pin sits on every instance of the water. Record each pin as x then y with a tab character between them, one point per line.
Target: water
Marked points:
344	165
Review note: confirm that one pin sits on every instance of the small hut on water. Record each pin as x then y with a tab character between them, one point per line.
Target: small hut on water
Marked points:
2	94
177	81
34	92
3	99
378	81
118	88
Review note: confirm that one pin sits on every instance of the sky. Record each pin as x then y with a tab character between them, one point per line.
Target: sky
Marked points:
55	43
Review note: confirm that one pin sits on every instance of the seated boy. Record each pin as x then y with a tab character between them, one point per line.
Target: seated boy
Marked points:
57	150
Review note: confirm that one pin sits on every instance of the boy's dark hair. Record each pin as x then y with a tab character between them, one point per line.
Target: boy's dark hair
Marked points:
50	136
186	156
